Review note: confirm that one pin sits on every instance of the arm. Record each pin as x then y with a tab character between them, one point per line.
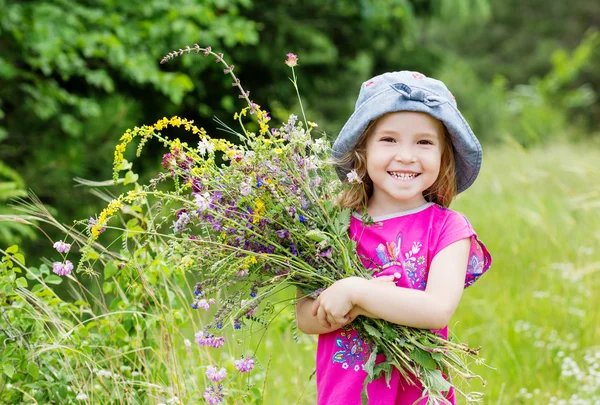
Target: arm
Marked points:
429	309
309	324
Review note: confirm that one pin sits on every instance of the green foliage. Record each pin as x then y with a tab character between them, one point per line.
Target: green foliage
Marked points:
11	187
533	113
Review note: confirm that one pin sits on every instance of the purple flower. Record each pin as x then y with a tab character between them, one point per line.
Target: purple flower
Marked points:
326	253
244	365
214	396
169	161
62	247
283	233
302	218
209	340
216	375
62	269
205	304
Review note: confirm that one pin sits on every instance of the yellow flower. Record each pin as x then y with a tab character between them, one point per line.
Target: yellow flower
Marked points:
312	124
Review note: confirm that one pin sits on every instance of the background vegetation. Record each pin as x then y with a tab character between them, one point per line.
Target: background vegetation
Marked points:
75	74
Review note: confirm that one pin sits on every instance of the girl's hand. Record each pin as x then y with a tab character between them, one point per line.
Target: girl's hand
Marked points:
334	304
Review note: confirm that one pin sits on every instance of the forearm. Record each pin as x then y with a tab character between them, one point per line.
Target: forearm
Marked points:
403	306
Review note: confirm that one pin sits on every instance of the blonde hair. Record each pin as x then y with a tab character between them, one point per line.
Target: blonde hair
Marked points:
441	192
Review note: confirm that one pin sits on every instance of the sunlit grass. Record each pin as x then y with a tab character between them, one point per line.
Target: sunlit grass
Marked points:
534	313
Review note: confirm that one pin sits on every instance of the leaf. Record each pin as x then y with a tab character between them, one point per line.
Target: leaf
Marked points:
372	331
125	165
107	287
52	279
12	249
435	381
33	369
19	257
423	358
8	369
130	177
22	282
437	356
371	363
110	269
317	235
388	332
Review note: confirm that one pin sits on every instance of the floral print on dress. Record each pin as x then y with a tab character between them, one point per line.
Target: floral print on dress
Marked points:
415	267
389	254
353	350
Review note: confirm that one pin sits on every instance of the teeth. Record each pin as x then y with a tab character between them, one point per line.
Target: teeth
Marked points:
403	176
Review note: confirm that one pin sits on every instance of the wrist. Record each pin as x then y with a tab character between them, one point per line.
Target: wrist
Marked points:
357	290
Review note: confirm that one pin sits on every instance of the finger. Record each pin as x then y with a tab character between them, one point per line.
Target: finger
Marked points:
322	318
342	320
384	279
331	319
315	306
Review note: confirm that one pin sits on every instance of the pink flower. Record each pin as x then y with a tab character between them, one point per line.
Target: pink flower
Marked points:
214	375
62	269
62	247
209	340
292	60
353	177
251	308
213	396
244	365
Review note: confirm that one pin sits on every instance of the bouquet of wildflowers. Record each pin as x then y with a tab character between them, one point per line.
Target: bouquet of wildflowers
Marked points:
256	217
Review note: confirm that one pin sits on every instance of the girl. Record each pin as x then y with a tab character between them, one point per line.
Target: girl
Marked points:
408	152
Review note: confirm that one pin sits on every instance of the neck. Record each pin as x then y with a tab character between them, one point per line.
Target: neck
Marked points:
376	208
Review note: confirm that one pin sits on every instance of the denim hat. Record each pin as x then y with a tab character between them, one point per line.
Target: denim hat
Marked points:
412	91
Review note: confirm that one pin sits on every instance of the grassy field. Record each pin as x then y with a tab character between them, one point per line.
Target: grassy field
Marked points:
535	313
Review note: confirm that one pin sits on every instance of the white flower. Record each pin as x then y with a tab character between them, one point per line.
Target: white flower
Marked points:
81	396
245	188
202	201
318	145
353	178
204	145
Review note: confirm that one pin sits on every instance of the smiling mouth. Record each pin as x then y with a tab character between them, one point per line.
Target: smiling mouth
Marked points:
403	175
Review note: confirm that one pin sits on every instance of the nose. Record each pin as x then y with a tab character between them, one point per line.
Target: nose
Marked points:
405	155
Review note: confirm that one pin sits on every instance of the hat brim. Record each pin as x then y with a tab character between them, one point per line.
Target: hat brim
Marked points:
467	149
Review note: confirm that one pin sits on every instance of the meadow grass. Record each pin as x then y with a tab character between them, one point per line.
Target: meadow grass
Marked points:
534	313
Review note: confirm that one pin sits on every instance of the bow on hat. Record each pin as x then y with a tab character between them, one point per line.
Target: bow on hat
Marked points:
418	95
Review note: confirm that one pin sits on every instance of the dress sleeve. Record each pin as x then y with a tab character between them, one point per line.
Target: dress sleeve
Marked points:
458	227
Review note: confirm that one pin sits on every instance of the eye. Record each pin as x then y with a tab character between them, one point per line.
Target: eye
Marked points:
388	139
425	142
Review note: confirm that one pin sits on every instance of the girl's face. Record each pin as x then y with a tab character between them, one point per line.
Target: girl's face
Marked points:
404	151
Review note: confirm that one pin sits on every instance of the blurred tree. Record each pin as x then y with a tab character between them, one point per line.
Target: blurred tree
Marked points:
75	74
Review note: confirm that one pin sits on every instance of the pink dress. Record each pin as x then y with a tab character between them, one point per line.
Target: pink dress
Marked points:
403	243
